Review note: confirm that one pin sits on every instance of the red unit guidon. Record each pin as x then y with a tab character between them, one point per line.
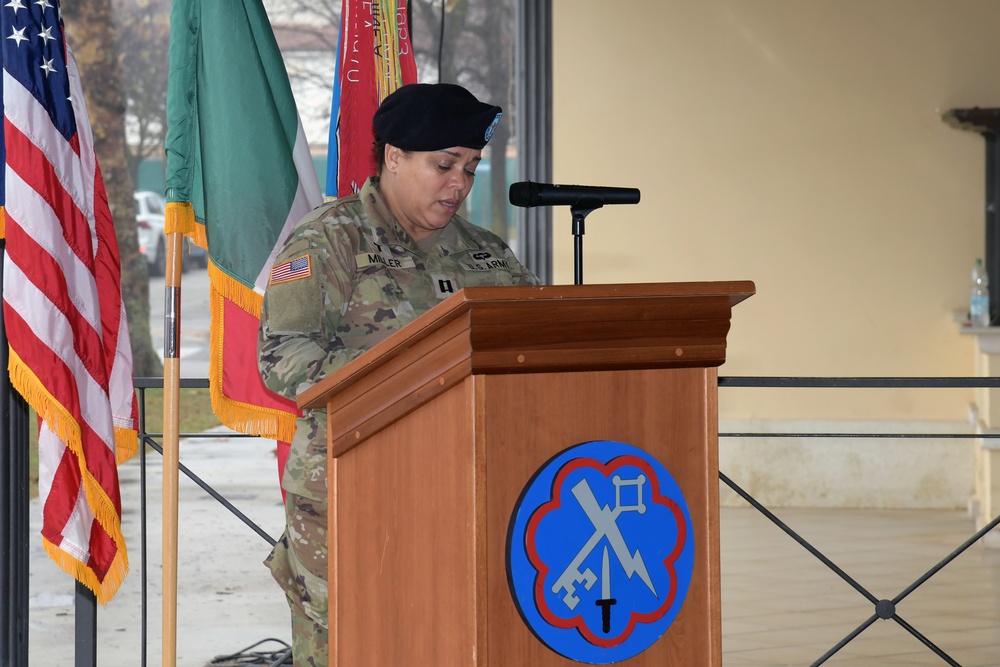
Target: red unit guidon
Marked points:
291	270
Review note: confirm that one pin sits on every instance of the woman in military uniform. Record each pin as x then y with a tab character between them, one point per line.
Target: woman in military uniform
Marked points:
351	273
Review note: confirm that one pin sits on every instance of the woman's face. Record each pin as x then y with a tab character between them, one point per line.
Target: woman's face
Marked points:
424	189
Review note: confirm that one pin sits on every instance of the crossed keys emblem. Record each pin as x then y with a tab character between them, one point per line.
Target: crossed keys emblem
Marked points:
608	513
605	522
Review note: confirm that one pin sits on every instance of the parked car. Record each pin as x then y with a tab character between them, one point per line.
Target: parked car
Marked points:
149	219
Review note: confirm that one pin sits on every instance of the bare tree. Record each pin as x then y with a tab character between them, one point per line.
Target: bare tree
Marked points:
305	21
92	36
143	28
472	42
307	34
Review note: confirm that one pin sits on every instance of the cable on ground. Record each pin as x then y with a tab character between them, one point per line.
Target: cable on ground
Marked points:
248	656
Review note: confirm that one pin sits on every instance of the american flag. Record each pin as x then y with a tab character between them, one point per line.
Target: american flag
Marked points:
70	355
296	268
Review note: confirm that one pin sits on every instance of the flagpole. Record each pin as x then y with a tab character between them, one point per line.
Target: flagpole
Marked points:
171	453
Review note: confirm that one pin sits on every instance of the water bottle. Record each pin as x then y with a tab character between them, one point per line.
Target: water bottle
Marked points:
979	299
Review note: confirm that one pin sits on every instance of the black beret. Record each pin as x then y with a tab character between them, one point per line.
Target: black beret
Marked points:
432	116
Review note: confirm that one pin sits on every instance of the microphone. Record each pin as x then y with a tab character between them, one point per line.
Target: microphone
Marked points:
530	194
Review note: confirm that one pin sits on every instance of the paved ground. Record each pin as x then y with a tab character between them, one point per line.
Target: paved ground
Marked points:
226	598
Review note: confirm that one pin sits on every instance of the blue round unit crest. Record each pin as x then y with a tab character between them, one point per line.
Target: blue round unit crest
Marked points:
600	552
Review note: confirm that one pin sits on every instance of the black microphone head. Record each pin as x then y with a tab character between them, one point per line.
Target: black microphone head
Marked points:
527	193
522	194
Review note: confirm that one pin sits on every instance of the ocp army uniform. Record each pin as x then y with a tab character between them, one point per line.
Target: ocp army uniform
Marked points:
347	277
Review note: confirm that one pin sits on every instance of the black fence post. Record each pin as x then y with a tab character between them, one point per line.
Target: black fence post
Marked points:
86	626
14	523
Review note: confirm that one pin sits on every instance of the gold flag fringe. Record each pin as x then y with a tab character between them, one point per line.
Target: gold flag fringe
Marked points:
233	290
237	415
179	217
3	223
64	425
126	444
72	566
240	416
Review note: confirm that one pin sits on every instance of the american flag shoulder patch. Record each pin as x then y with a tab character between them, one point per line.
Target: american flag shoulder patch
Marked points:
291	270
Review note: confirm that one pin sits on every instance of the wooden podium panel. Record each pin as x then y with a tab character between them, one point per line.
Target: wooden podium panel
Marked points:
403	561
660	411
435	433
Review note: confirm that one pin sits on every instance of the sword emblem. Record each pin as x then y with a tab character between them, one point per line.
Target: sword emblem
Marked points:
606	600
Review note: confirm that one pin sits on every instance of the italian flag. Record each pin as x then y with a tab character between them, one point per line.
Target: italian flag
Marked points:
239	175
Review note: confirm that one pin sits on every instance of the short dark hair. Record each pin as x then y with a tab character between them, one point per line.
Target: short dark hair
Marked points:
378	148
378	152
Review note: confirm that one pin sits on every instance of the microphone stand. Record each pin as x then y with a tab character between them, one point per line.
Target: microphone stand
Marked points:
580	211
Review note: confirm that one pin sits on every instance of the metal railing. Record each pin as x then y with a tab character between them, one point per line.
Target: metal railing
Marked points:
148	439
882	608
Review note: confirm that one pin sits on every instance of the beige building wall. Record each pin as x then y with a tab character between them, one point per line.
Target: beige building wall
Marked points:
799	144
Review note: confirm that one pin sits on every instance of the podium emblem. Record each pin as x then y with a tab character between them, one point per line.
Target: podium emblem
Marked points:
600	552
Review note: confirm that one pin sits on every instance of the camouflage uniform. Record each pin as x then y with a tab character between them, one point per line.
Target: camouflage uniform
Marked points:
347	277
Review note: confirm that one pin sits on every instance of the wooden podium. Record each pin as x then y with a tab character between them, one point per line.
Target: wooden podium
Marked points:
435	432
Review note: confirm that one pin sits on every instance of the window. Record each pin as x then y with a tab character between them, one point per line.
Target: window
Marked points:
498	49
